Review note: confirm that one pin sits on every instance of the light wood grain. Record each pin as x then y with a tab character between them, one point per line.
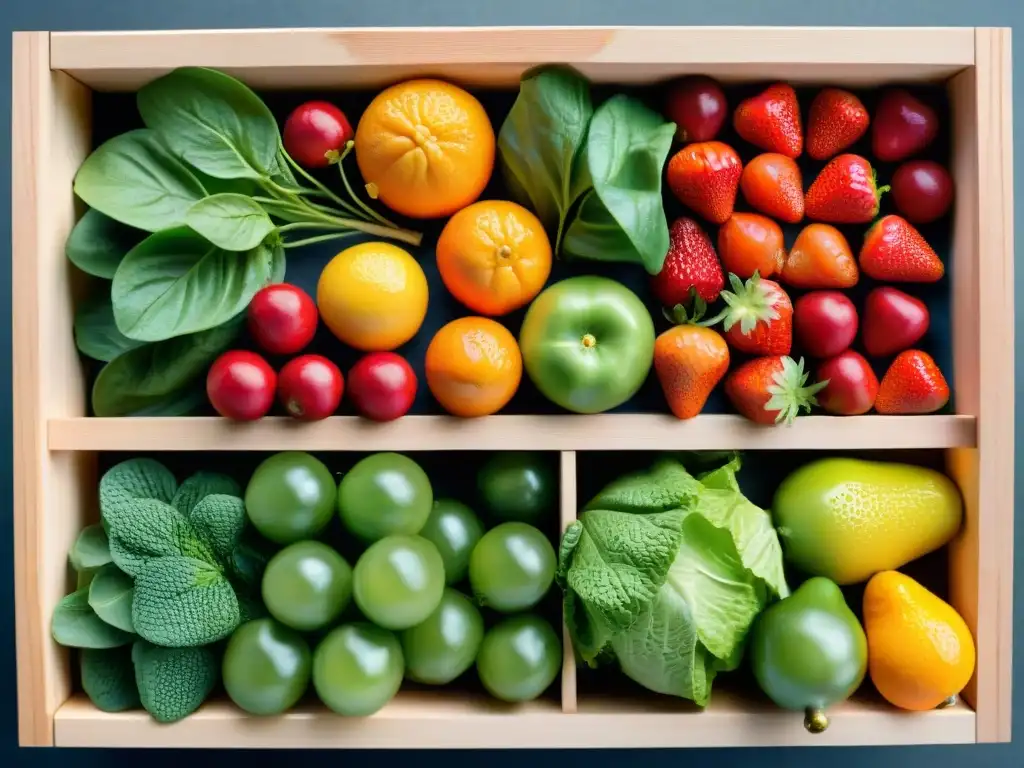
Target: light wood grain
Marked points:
567	516
326	58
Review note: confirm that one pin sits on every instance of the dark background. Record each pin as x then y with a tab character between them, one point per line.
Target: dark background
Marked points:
181	14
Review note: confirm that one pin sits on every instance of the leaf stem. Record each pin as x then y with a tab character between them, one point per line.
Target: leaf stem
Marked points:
322	189
320	239
353	195
306	225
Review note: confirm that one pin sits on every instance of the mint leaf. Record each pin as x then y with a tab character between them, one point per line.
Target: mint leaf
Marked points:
75	624
219	519
135	479
91	549
173	682
200	485
110	596
148	528
108	678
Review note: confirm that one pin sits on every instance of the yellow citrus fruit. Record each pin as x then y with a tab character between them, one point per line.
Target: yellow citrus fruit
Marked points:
494	256
373	296
920	650
473	366
426	147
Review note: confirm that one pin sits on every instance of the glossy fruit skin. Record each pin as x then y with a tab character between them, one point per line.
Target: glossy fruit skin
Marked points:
310	387
357	669
808	651
894	251
754	384
691	266
588	343
771	121
282	318
903	126
920	650
820	258
824	323
384	493
473	367
750	242
770	335
697	105
290	497
689	361
266	667
847	519
445	645
518	485
705	178
454	530
773	184
427	146
922	191
845	192
315	133
512	567
893	321
852	384
373	296
520	657
836	120
382	386
913	384
241	385
307	585
398	581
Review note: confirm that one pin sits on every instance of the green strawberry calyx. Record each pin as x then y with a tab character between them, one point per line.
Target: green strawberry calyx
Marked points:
747	303
680	315
790	392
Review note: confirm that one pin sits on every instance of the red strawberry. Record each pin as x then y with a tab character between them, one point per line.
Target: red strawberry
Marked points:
845	192
913	384
837	119
895	251
772	184
691	265
705	177
758	316
903	126
689	361
770	390
771	121
893	321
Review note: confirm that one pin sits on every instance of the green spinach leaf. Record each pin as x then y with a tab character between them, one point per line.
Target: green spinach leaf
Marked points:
594	234
213	121
133	179
110	595
230	221
91	549
97	243
96	333
76	625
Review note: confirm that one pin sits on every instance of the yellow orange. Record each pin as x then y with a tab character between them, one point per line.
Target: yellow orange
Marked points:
425	148
373	296
473	366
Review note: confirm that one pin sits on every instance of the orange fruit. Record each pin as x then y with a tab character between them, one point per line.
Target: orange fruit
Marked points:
473	366
425	148
920	650
373	296
494	256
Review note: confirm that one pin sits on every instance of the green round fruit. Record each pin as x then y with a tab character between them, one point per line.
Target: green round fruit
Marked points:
266	667
445	645
307	585
385	494
519	658
398	581
357	669
512	567
454	530
290	497
518	485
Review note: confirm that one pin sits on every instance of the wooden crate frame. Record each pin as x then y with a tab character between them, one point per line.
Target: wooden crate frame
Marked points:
55	444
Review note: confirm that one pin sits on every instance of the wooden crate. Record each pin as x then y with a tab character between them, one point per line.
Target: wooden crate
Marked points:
56	443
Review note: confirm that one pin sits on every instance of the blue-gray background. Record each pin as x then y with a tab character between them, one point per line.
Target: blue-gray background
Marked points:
181	14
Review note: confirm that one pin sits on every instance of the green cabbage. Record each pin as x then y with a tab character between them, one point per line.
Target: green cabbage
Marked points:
664	573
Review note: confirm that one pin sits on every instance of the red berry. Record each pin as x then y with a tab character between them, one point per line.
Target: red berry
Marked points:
382	386
282	318
310	387
852	385
922	191
241	385
824	323
696	104
315	133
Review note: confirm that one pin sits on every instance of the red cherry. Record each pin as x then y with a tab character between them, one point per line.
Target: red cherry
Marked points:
310	387
282	318
903	125
852	384
922	191
697	105
382	386
893	321
241	385
824	323
314	132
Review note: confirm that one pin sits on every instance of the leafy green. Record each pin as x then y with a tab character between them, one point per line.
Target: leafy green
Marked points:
97	244
230	221
133	179
219	519
110	596
91	549
76	625
108	678
96	332
665	575
198	486
173	682
134	479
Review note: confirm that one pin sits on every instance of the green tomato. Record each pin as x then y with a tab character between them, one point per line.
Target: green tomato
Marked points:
512	567
445	645
385	494
290	497
357	669
518	485
519	658
587	343
266	667
398	581
307	585
454	530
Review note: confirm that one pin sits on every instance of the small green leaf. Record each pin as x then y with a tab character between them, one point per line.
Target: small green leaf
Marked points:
148	529
91	549
108	678
230	221
202	484
220	519
110	595
76	625
96	333
173	682
97	243
141	478
278	263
